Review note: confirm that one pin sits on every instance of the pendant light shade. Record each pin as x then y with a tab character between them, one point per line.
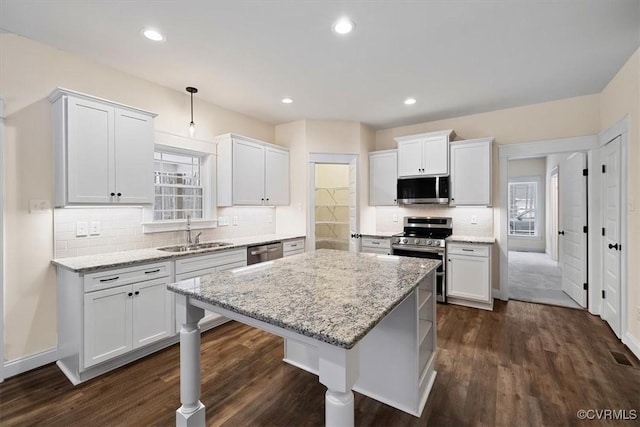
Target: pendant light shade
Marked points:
192	125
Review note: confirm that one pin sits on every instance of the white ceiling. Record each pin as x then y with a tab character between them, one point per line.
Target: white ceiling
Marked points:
454	57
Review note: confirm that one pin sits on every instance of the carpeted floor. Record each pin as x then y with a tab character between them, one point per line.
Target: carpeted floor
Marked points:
535	277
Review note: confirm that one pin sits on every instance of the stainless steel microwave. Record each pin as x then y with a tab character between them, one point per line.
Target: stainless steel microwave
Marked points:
426	190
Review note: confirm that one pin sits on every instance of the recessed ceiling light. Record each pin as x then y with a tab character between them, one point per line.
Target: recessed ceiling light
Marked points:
153	35
287	100
343	26
409	101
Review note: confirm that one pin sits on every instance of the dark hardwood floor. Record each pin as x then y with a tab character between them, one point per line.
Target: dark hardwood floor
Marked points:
521	365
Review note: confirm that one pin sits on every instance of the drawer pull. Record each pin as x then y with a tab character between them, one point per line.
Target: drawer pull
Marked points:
110	280
467	250
157	270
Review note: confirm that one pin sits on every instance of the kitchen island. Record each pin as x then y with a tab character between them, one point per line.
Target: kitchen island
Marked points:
360	321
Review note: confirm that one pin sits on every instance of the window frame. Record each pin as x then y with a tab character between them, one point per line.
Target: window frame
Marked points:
206	151
537	180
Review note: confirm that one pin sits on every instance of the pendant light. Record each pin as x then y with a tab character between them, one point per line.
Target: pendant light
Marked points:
192	125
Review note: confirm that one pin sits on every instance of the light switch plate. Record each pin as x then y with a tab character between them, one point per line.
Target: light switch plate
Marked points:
235	220
94	228
474	219
395	218
81	228
39	206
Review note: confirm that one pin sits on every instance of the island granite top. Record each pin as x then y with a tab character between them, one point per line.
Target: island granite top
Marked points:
332	296
90	263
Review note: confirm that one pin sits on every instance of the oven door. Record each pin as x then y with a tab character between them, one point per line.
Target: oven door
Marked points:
429	253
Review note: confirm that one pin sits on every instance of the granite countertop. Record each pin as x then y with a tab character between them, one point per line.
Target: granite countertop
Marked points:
333	296
89	263
471	239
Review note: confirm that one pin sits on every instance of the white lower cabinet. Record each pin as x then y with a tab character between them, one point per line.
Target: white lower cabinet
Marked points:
292	247
376	245
469	275
118	320
188	268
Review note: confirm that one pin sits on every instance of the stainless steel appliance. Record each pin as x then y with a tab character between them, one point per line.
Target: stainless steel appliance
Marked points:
424	237
256	254
428	189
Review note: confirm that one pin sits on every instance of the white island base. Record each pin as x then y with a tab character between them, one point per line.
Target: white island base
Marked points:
396	357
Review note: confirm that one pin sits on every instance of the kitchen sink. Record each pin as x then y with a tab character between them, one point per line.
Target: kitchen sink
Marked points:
199	246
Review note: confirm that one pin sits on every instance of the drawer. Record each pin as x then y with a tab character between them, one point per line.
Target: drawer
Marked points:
376	243
472	250
293	245
187	265
294	252
124	276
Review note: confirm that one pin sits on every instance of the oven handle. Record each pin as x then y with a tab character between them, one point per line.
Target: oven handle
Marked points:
419	249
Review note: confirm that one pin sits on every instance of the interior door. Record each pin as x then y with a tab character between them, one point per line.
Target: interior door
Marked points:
611	239
354	217
573	199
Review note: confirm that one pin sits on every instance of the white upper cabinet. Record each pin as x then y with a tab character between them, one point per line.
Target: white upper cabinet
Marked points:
251	172
103	151
383	176
425	154
470	180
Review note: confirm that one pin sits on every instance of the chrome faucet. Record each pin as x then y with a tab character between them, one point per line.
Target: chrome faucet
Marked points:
194	241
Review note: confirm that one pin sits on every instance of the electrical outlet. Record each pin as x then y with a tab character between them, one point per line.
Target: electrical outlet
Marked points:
223	221
394	218
474	219
39	206
81	228
94	228
235	220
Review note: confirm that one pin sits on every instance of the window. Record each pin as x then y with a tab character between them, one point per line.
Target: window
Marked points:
523	205
178	186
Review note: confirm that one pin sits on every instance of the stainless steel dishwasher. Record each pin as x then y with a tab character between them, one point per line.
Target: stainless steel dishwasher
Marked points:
256	254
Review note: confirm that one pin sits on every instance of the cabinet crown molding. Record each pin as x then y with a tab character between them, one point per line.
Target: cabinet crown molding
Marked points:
449	133
489	139
60	91
232	136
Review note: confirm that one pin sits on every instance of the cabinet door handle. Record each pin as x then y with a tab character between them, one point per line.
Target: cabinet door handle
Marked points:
130	294
113	194
137	292
294	245
152	271
561	233
375	243
119	194
613	246
449	260
110	280
467	250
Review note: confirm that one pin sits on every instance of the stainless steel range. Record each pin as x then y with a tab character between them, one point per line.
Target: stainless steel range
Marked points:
424	237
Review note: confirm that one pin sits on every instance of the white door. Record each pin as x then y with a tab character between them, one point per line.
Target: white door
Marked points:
611	239
383	178
107	324
153	307
573	199
468	277
276	184
248	173
410	158
133	157
354	217
435	156
89	151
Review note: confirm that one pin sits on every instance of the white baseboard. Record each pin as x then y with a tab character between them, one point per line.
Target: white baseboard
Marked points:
15	367
632	342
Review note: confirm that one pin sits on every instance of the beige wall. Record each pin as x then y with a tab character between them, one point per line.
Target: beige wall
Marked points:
620	98
29	71
531	168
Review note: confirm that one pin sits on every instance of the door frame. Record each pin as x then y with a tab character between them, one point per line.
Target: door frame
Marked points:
621	129
2	240
506	152
327	158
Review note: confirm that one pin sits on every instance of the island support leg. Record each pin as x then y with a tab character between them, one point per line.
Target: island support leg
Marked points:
192	411
339	370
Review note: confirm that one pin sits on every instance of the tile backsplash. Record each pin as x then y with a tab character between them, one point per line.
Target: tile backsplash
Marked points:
121	229
461	217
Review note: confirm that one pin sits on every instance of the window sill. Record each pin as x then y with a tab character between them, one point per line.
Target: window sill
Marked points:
177	225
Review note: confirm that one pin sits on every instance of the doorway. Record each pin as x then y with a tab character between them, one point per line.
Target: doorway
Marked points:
333	221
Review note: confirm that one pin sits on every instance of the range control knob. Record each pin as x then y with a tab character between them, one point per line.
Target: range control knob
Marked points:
403	241
416	241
